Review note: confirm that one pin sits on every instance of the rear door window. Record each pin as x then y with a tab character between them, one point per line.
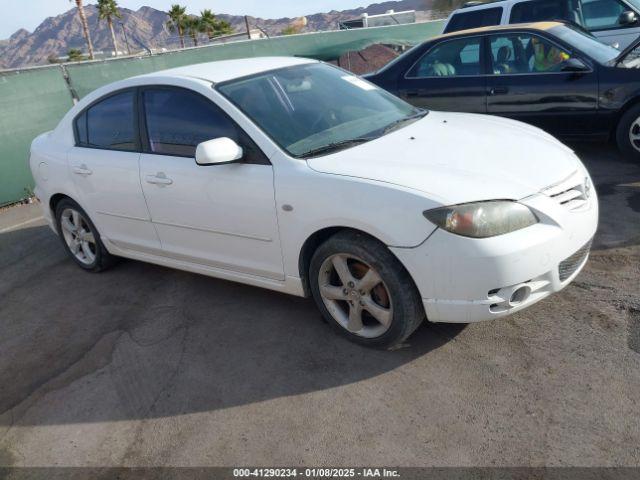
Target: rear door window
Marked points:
108	124
450	58
484	17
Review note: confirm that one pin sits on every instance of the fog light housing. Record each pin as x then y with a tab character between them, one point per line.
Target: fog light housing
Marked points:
519	296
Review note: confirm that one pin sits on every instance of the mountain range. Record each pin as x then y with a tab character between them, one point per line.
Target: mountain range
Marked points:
145	29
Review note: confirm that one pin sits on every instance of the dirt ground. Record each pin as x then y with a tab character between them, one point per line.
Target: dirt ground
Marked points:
143	365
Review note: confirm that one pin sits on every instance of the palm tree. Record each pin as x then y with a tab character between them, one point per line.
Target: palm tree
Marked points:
85	26
446	6
193	28
290	30
75	55
107	9
177	21
213	27
208	22
223	28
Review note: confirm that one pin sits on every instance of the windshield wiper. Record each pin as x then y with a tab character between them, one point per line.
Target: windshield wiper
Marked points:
332	147
398	123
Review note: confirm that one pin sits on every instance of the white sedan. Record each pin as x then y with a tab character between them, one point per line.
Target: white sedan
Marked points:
294	175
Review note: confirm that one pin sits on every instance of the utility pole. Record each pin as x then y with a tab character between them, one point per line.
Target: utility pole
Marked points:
246	22
126	40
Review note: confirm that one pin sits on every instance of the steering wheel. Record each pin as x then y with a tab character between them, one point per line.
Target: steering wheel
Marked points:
323	116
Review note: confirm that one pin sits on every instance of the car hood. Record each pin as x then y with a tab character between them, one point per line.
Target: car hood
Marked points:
459	157
625	51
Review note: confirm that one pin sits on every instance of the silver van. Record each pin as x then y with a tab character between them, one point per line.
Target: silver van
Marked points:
614	22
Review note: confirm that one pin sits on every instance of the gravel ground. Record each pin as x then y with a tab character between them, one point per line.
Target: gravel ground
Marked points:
144	365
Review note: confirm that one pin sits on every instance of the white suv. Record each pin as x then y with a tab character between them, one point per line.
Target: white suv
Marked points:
614	22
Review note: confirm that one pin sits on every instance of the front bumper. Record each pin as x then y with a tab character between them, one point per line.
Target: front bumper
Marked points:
464	280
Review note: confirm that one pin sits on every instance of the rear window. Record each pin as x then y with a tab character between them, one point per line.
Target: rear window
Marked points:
540	10
485	17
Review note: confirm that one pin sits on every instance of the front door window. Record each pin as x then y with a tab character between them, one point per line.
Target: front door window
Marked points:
603	14
522	53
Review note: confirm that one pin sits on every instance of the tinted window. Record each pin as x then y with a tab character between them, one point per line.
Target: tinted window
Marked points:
178	120
539	10
485	17
525	53
108	124
451	58
602	14
81	129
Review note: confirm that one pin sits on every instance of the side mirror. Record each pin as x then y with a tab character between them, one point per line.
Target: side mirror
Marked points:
218	151
628	17
574	65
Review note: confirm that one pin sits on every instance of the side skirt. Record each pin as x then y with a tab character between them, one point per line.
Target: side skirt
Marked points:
291	285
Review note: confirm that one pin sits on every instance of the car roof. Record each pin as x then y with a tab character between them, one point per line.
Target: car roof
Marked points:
479	4
497	28
224	70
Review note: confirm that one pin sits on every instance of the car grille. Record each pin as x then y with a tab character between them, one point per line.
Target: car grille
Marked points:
568	266
571	193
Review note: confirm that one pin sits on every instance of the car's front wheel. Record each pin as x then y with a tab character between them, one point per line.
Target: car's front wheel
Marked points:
364	291
80	237
628	133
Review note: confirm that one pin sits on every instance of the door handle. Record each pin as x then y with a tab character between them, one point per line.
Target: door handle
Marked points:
498	90
411	93
82	170
159	179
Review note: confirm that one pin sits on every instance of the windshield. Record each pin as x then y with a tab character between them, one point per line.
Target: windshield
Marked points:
317	108
635	3
600	52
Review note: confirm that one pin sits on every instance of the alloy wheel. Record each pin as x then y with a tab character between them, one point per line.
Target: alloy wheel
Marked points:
355	295
634	134
78	236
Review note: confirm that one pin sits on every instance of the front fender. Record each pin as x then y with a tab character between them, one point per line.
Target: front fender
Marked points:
315	201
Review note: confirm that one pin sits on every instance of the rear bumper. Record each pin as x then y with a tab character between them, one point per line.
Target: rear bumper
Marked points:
464	280
44	207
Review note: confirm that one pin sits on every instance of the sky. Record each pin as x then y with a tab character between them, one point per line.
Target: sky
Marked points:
29	14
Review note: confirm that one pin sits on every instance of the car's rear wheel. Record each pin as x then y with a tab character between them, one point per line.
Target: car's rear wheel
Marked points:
628	133
364	291
80	237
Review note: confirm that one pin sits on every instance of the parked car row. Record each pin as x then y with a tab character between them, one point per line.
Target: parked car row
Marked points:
294	175
551	75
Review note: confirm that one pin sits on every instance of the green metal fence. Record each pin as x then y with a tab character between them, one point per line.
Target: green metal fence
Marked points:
33	101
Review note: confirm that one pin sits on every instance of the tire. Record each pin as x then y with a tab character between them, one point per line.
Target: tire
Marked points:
628	125
90	253
375	282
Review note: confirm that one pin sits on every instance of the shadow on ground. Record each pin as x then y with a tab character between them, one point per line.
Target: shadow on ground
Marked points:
142	341
617	182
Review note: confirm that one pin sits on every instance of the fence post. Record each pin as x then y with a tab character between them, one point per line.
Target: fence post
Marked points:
67	80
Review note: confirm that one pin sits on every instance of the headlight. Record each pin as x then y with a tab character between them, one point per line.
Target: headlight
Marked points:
482	219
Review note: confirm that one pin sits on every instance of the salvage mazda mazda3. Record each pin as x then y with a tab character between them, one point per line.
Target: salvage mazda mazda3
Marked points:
294	175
